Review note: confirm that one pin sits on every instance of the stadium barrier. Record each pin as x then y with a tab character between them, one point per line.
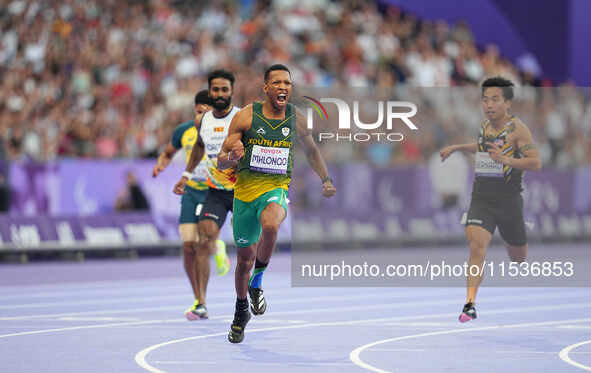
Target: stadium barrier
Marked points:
68	205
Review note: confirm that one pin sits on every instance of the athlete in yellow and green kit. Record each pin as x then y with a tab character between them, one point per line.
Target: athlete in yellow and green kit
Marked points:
260	144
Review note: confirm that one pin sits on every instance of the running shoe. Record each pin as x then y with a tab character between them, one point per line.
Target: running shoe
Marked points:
258	305
468	313
198	313
222	262
189	310
241	318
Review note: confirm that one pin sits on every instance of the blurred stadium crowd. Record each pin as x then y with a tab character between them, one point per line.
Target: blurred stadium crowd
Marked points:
112	78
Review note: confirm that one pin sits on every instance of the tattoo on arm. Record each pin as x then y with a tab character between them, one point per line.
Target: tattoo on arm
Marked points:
527	147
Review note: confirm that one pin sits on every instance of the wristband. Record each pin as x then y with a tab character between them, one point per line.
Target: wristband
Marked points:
187	174
328	178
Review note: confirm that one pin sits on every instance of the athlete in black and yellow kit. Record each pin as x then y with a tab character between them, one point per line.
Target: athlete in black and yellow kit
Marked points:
185	136
260	144
505	149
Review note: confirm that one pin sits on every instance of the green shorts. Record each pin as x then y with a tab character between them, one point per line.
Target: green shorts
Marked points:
246	218
191	204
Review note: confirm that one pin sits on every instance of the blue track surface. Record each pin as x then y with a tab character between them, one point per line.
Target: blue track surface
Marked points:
119	316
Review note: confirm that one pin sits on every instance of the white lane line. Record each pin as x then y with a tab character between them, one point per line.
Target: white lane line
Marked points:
415	317
186	362
540	352
95	301
380	293
320	364
177	285
27	293
397	350
199	362
92	285
81	327
341	297
450	300
298	312
224	295
355	354
93	293
498	352
140	357
98	319
146	322
420	324
565	352
143	310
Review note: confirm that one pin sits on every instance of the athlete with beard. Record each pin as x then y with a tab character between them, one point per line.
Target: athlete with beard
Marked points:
185	136
213	130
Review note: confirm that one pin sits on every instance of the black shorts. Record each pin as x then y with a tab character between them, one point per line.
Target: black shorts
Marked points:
216	206
505	212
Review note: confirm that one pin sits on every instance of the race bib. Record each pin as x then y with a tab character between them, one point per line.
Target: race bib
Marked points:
485	166
269	159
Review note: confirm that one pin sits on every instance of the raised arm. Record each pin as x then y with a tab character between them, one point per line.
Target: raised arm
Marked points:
313	154
232	149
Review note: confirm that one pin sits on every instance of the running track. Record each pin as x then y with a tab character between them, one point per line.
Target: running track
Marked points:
127	316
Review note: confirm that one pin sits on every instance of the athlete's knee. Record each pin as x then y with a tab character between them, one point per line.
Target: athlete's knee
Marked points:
202	250
208	232
189	247
477	252
270	229
205	240
245	259
517	253
478	247
244	265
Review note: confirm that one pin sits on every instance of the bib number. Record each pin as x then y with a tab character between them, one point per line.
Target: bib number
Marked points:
485	166
269	160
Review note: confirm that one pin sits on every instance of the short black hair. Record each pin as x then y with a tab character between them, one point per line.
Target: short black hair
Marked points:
202	97
505	84
277	66
224	74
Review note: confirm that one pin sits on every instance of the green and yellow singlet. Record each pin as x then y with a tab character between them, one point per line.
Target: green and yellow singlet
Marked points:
268	154
185	136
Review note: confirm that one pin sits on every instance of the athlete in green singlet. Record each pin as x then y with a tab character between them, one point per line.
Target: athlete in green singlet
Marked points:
260	144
